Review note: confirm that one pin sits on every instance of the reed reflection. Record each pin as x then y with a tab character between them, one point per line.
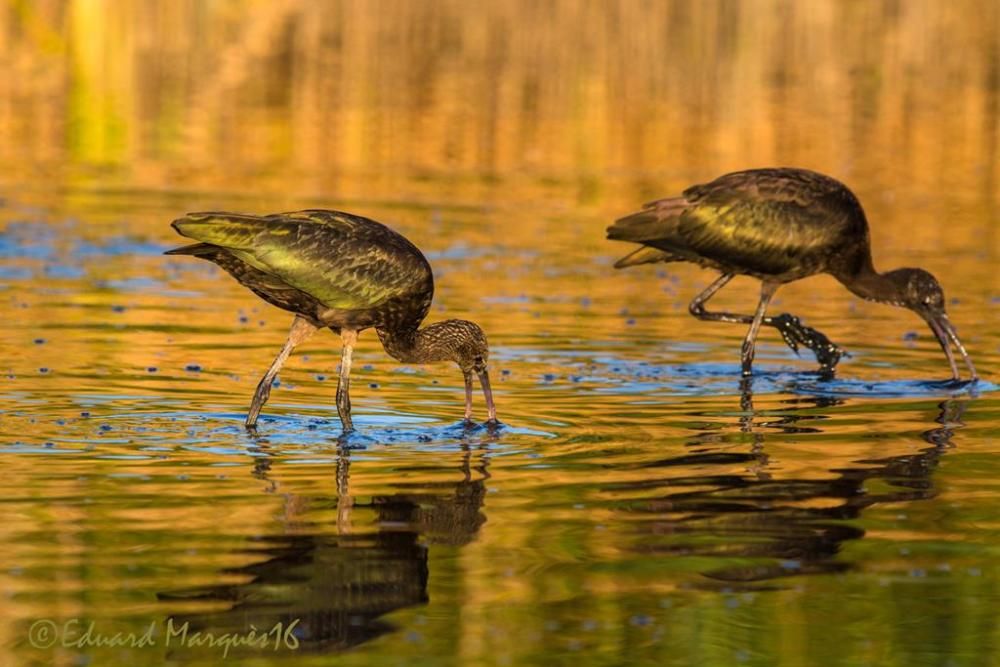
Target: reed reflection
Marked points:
214	94
793	525
339	580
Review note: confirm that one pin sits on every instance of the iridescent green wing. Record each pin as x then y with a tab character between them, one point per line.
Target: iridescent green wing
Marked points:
344	261
765	222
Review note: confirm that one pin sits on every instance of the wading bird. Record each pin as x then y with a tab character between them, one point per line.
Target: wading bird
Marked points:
780	225
341	271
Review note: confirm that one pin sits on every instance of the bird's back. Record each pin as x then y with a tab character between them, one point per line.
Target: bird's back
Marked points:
347	269
778	224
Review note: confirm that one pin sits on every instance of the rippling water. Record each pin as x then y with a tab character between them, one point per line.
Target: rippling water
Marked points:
640	503
638	500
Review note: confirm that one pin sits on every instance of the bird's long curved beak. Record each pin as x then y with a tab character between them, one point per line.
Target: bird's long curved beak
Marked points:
947	336
491	409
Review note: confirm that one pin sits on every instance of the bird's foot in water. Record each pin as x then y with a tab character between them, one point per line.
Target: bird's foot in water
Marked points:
828	353
492	426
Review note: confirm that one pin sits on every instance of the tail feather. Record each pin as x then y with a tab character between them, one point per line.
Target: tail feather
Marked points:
655	221
637	227
229	230
644	255
196	249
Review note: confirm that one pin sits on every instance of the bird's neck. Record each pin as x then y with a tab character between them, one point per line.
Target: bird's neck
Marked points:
415	346
871	285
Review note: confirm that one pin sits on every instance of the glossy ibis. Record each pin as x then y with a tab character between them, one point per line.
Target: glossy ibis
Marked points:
341	271
780	225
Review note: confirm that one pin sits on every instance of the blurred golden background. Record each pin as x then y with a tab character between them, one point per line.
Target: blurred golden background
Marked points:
376	97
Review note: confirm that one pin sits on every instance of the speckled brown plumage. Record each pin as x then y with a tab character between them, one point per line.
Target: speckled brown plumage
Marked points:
779	225
342	271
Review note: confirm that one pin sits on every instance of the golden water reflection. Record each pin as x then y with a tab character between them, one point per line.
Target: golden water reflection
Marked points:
357	98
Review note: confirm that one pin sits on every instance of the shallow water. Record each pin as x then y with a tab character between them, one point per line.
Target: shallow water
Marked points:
640	504
638	499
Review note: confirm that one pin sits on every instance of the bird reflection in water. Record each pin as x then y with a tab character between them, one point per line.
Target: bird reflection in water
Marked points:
788	526
338	582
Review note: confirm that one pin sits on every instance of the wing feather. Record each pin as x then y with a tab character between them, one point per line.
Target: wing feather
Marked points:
767	222
763	236
342	260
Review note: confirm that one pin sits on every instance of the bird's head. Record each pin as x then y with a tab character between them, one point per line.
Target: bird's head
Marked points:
463	342
920	291
460	341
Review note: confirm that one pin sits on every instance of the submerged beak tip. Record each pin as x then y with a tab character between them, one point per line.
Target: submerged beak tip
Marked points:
947	336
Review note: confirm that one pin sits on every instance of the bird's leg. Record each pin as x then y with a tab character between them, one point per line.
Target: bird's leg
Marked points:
349	337
795	333
767	290
697	305
300	331
468	396
790	327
